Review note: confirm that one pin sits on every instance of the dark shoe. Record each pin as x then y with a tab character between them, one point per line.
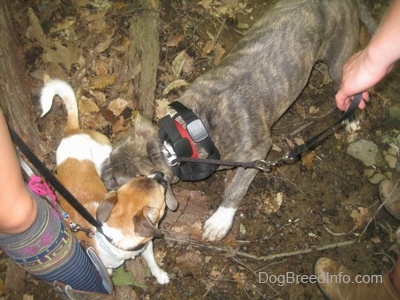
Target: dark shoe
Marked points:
337	282
389	195
68	293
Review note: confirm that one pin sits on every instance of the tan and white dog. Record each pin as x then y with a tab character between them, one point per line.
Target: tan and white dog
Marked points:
129	215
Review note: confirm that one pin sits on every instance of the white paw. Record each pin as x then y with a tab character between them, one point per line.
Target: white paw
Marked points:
161	276
218	225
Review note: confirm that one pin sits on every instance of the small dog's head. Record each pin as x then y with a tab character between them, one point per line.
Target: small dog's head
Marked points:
131	214
138	153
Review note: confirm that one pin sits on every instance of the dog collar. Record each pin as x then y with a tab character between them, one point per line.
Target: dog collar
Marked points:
181	143
112	250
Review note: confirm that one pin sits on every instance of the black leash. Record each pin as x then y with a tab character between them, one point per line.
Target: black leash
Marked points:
51	179
264	165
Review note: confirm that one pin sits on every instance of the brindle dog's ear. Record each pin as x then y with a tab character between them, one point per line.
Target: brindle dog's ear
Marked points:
145	221
104	210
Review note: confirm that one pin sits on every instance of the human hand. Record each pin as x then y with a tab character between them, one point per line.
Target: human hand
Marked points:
359	74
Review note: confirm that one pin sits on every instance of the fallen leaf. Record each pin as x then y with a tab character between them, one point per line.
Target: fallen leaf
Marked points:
360	216
175	85
117	106
272	204
179	62
313	109
64	55
208	48
101	82
307	159
118	126
298	141
239	277
121	277
87	106
191	259
219	52
67	22
174	40
104	44
289	142
376	240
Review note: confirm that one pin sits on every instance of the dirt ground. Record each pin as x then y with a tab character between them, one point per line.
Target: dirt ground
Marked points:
323	205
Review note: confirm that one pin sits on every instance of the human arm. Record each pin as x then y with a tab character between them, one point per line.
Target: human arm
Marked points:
18	209
367	67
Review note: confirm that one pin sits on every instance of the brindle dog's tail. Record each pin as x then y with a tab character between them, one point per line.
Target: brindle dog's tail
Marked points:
364	14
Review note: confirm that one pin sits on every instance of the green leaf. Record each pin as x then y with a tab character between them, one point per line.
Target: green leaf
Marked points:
121	277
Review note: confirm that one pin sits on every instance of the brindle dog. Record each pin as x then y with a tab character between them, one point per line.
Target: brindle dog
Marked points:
239	100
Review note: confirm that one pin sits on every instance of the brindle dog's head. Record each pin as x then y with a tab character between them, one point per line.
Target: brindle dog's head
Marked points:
138	153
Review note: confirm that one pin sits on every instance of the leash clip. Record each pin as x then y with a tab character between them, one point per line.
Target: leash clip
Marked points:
263	165
89	233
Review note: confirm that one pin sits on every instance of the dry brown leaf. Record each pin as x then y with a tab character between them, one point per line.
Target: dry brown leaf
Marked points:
307	159
272	204
174	40
137	268
98	26
208	47
175	85
118	126
66	23
87	106
300	110
182	62
219	52
64	55
191	259
104	43
117	106
289	142
360	216
101	82
99	97
313	109
298	141
239	277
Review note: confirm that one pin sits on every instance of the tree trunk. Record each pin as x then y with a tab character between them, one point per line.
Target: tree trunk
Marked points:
144	53
15	96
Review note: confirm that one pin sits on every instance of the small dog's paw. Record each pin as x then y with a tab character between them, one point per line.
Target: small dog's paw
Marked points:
218	225
161	276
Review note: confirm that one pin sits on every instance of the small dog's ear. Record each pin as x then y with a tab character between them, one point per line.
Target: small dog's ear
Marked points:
105	207
145	221
170	199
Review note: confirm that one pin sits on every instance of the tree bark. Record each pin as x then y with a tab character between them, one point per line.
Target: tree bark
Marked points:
15	96
144	54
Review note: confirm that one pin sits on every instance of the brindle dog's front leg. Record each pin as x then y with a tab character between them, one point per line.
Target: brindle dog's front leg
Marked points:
218	225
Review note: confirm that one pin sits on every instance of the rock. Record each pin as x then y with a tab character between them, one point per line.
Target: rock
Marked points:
363	150
391	161
394	112
376	178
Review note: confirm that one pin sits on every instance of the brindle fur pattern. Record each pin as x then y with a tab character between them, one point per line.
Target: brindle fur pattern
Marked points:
239	100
